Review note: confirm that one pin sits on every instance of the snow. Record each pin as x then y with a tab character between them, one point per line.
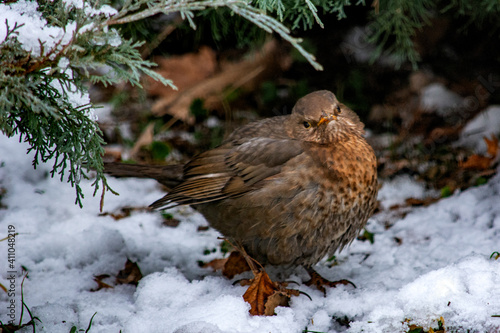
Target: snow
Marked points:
436	97
32	32
399	189
356	48
34	28
484	124
439	267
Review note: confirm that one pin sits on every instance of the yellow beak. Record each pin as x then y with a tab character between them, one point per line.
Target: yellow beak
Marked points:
326	119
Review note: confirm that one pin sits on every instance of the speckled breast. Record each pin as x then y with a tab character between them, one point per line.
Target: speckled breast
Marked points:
314	206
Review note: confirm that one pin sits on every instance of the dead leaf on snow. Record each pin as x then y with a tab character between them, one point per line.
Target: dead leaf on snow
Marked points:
235	264
203	228
131	274
258	293
492	146
216	264
170	222
275	300
231	266
125	212
100	284
264	295
481	162
421	202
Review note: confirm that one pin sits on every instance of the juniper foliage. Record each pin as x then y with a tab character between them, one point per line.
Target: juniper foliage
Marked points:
39	91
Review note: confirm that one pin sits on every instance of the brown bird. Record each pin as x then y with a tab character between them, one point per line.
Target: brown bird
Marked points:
289	189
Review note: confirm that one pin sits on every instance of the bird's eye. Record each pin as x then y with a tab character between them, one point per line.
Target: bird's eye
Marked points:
338	109
306	124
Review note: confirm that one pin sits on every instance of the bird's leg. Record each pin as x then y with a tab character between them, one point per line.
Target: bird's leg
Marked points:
320	282
251	262
235	265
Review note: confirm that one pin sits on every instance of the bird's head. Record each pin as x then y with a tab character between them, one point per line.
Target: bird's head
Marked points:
320	117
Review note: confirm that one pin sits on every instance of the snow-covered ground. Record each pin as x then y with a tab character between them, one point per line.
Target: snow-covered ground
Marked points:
434	262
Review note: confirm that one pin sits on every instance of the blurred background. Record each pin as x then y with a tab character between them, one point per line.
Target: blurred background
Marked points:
423	76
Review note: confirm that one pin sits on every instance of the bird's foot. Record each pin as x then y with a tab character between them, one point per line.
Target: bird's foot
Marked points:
320	282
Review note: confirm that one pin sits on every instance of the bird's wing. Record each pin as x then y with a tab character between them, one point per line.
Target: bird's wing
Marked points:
231	170
259	158
265	128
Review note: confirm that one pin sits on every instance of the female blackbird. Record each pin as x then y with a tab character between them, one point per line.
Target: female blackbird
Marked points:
288	189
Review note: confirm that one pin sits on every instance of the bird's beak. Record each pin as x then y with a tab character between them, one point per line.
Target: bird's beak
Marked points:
326	118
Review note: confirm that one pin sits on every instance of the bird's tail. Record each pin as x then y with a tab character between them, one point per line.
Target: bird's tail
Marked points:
168	175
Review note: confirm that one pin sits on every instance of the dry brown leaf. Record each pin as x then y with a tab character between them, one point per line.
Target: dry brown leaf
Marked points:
258	293
124	212
131	274
216	264
492	146
476	162
112	154
480	162
244	74
235	264
100	284
275	300
320	282
421	202
264	295
170	222
185	71
441	134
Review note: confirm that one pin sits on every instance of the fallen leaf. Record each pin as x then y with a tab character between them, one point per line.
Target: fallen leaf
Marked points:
185	71
421	202
125	212
476	162
245	74
100	284
131	274
258	293
235	264
112	154
414	202
203	228
275	300
264	295
481	162
170	221
216	264
320	282
492	146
